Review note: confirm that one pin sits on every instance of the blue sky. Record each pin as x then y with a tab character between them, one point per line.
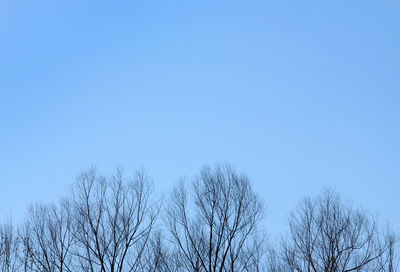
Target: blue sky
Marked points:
297	94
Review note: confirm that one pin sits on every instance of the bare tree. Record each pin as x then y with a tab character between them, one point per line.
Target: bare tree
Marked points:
108	224
158	257
390	260
327	234
114	218
9	248
215	228
49	236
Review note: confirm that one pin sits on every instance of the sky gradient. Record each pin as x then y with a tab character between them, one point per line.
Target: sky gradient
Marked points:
298	95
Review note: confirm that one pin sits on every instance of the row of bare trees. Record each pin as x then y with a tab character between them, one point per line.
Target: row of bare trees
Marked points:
111	224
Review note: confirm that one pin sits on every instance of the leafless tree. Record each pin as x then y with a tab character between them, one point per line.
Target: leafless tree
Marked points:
215	228
9	248
158	255
108	224
390	260
48	237
114	218
327	234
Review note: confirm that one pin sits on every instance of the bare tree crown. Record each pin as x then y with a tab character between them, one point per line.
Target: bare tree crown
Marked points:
109	224
329	235
214	228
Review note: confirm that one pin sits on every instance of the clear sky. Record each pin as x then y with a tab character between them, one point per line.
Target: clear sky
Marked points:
297	94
